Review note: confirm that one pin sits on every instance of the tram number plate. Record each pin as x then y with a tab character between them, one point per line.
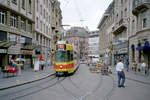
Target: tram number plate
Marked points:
60	73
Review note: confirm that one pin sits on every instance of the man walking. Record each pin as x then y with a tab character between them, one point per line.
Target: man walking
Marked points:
42	64
120	72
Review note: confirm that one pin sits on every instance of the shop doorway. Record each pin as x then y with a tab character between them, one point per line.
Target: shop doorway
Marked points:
2	60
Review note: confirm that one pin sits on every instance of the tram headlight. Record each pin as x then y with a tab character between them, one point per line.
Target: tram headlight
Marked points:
61	66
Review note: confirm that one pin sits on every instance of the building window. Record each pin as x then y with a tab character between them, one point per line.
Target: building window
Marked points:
23	4
37	21
41	25
14	1
41	39
2	17
44	28
23	24
144	24
41	9
30	6
37	37
121	14
47	3
37	5
13	20
44	13
29	27
121	1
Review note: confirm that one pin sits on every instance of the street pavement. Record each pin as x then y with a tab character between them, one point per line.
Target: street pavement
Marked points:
27	76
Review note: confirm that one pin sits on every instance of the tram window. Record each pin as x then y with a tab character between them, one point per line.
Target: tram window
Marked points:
61	56
71	55
68	55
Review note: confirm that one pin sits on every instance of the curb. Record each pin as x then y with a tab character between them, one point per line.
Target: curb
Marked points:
28	82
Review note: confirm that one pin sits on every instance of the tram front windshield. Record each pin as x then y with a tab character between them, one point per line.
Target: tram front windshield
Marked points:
61	56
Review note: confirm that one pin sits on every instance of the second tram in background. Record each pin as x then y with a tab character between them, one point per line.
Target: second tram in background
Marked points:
66	59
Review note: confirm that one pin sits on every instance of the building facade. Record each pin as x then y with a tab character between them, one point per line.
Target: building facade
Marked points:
93	47
105	27
78	36
130	29
43	31
16	30
56	22
140	39
121	29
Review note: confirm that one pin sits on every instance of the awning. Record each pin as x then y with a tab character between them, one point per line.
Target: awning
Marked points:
143	48
139	48
146	48
5	44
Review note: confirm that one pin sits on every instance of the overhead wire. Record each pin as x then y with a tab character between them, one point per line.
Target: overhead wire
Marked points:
79	12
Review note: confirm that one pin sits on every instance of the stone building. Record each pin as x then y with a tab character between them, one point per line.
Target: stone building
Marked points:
105	35
121	29
43	30
78	37
16	30
93	47
56	22
140	38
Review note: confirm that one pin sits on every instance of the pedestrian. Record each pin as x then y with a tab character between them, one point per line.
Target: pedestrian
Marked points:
127	65
134	67
120	72
143	65
42	64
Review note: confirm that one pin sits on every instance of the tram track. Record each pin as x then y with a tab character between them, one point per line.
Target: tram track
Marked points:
86	94
39	90
33	89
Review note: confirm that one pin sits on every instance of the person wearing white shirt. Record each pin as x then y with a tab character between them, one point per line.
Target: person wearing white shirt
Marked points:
143	65
120	72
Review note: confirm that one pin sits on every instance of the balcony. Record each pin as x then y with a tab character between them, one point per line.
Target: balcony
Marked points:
119	27
5	44
140	6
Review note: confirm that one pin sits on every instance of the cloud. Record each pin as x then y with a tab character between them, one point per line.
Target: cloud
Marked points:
91	11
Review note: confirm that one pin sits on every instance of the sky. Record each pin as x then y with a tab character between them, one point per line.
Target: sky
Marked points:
83	13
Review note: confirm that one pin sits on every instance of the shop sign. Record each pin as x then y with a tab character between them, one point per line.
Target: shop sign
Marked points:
27	52
121	45
124	50
3	51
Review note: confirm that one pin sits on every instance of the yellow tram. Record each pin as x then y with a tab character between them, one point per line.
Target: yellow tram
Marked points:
64	58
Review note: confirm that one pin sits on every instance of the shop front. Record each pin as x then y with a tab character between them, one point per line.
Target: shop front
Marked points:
3	56
120	51
144	53
4	45
27	55
27	51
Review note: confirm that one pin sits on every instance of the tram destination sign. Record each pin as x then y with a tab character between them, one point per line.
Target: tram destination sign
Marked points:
61	47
